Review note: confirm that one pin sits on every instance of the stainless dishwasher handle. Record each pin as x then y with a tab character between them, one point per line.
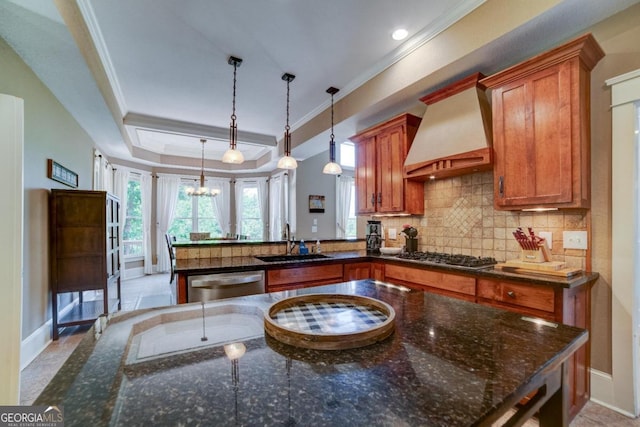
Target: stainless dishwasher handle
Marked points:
222	280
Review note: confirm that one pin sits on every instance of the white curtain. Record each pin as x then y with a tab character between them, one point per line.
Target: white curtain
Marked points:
239	187
120	186
276	206
167	195
145	193
343	201
222	202
290	195
263	206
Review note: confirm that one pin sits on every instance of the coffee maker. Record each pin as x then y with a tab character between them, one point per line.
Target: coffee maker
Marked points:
374	236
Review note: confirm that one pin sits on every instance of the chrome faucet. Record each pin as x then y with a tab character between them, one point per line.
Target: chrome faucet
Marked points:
290	242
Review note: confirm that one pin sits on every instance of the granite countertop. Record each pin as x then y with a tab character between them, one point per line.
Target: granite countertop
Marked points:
248	263
449	362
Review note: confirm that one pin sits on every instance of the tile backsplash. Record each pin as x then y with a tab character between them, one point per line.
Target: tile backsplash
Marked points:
460	218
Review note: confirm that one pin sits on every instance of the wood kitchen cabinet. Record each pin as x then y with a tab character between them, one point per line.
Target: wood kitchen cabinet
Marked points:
357	271
571	306
438	282
541	128
84	251
379	176
364	270
284	279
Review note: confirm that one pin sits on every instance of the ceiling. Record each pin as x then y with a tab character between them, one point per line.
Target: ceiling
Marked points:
148	78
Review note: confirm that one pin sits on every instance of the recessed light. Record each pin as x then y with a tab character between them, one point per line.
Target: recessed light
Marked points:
400	34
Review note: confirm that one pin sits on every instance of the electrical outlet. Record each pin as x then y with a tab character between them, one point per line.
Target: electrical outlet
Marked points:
314	228
574	239
548	237
393	234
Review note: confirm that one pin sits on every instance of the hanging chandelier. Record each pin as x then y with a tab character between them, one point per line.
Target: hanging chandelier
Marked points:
202	190
332	168
287	162
233	155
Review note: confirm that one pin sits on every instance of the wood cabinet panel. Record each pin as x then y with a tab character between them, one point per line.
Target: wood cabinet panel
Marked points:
357	271
84	251
377	271
365	176
435	279
530	296
298	277
541	131
379	175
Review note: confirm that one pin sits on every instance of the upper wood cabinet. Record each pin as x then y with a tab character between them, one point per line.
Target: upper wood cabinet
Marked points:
380	155
541	128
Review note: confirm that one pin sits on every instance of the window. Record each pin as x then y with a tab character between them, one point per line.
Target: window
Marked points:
249	216
351	219
347	154
194	214
132	232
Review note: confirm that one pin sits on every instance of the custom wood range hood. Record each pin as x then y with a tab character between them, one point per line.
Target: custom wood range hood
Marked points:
455	136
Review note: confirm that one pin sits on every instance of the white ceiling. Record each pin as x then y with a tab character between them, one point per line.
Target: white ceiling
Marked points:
168	82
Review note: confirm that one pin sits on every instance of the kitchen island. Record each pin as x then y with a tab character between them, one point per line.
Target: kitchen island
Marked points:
449	362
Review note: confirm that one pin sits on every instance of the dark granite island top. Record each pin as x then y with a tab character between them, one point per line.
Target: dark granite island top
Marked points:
449	363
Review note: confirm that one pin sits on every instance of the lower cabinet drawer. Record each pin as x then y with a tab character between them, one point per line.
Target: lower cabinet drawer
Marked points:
304	276
530	296
435	279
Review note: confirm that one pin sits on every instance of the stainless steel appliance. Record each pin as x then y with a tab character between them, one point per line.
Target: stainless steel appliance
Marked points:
374	236
449	259
208	287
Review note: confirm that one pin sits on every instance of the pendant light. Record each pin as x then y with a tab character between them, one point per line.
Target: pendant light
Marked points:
287	162
233	155
202	190
332	168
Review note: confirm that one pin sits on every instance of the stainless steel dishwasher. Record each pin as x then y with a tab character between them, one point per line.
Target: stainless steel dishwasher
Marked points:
208	287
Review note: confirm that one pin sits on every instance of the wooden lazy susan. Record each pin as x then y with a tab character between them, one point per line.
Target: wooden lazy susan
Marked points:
329	321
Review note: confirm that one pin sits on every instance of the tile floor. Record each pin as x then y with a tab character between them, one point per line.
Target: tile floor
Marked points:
155	290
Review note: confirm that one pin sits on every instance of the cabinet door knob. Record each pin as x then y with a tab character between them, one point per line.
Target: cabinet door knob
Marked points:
501	186
511	294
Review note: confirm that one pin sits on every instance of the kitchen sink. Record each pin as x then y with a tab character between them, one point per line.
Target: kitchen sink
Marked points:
281	258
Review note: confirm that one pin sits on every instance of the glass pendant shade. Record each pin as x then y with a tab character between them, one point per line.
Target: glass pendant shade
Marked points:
233	156
332	168
287	162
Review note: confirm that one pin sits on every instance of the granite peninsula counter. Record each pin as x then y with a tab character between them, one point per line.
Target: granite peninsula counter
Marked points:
449	362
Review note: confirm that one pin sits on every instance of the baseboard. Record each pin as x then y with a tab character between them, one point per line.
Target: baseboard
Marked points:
133	273
35	343
602	391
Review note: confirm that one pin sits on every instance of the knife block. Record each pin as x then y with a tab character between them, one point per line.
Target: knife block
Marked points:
536	256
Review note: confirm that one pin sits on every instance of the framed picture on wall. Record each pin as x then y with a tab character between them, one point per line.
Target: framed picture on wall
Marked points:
57	172
316	204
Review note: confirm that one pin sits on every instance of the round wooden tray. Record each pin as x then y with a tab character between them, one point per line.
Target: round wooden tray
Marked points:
329	321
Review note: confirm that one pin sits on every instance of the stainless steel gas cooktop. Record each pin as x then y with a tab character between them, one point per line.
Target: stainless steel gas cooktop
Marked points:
449	259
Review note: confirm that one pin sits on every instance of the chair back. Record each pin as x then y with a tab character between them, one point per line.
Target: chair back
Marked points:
170	246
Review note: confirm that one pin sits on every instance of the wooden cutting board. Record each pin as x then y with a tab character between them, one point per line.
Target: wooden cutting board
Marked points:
541	266
553	268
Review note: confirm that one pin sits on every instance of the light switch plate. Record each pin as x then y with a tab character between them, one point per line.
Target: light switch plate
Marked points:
548	237
574	239
393	234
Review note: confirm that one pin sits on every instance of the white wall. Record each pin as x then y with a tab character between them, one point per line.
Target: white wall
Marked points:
49	132
11	135
311	181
